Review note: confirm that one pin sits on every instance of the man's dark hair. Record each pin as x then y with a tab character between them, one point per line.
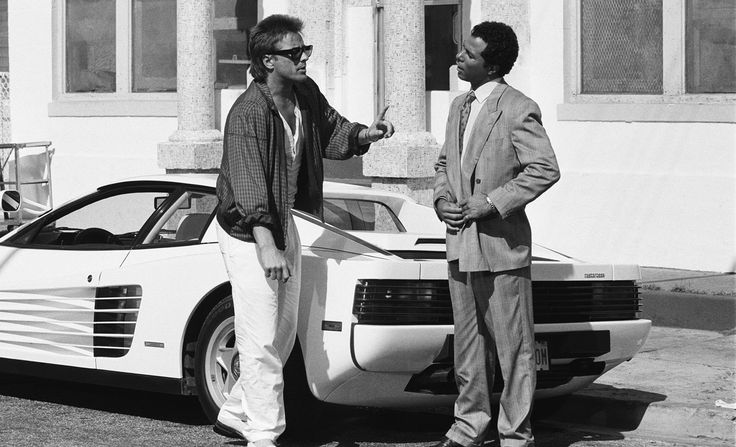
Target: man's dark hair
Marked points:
502	47
264	37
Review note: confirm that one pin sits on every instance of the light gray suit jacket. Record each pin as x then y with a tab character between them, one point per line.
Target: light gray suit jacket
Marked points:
508	158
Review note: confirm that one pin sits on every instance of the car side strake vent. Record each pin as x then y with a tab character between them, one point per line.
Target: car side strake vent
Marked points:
428	301
72	321
116	314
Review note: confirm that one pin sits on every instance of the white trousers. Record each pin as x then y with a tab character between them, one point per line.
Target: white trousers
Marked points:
265	330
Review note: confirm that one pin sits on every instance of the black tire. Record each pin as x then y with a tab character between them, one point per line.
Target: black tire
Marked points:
216	367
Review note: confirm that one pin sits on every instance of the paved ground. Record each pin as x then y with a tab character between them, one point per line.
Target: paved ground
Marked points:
666	396
668	391
37	412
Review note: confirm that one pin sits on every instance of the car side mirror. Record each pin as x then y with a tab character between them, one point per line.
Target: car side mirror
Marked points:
10	201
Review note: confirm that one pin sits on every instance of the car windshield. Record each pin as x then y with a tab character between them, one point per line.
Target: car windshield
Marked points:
121	217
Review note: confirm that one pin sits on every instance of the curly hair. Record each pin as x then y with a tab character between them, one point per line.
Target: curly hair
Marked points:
502	47
264	37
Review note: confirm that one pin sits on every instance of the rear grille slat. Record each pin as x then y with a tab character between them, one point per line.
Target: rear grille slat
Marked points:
428	301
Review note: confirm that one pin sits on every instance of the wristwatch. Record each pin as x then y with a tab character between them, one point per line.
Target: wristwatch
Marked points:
493	207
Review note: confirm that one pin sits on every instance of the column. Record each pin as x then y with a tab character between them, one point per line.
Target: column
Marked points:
405	162
196	145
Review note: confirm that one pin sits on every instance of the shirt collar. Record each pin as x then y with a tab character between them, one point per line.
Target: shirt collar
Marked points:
484	91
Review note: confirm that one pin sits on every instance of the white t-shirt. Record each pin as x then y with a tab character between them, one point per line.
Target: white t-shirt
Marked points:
294	148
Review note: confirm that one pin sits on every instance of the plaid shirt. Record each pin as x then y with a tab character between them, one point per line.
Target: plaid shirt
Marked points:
252	185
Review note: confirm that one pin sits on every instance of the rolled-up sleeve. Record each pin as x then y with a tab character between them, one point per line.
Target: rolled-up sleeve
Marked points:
247	155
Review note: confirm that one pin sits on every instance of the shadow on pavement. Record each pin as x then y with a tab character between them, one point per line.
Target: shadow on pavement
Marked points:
349	426
619	409
353	427
164	407
338	426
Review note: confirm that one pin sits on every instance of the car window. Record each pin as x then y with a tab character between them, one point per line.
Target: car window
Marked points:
361	215
112	221
185	221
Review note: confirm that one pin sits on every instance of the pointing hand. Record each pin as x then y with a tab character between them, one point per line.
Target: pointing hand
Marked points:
381	128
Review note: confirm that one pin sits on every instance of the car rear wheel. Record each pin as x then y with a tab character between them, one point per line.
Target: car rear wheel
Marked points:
217	367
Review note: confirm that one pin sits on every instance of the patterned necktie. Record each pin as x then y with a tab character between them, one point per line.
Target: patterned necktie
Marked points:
464	114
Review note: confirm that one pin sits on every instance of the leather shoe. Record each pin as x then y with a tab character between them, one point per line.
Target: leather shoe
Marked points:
224	430
447	442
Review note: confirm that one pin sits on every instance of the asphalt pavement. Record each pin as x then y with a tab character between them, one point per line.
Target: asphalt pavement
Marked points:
682	385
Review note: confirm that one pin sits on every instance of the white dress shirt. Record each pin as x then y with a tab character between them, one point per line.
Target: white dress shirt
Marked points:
481	94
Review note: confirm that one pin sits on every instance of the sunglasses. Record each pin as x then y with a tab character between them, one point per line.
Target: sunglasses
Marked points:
295	54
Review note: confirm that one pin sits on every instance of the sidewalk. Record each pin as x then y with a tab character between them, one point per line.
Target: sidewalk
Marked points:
670	388
667	392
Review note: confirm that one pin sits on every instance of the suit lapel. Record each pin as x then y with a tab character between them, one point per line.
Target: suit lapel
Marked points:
482	128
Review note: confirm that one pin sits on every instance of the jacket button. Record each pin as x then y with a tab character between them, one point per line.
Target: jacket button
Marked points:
477	180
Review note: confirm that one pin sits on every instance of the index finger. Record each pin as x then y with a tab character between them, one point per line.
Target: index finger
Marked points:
383	113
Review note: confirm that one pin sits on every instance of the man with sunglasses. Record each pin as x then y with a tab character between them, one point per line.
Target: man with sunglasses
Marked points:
275	137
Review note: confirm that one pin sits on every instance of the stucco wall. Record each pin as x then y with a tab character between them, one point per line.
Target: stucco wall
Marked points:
656	194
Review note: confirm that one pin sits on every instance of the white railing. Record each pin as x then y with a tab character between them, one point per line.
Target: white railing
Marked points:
5	107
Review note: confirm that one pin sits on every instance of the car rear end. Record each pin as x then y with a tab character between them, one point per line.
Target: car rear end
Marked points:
587	321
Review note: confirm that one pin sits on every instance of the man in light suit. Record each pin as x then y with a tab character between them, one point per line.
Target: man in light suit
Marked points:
495	160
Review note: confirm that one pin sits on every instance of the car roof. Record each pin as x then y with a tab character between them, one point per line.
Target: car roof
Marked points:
209	180
190	179
330	188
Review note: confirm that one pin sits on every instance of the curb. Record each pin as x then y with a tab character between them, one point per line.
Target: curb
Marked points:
689	311
588	410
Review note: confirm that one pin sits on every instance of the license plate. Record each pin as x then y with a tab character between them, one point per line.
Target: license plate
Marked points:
541	355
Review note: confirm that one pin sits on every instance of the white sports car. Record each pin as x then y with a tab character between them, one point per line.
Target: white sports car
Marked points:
126	286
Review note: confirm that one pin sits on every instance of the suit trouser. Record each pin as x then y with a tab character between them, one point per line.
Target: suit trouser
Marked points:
265	330
493	316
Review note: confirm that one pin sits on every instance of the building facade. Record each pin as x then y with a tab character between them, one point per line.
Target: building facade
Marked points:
638	97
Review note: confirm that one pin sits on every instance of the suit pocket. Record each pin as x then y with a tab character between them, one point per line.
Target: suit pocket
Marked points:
503	231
